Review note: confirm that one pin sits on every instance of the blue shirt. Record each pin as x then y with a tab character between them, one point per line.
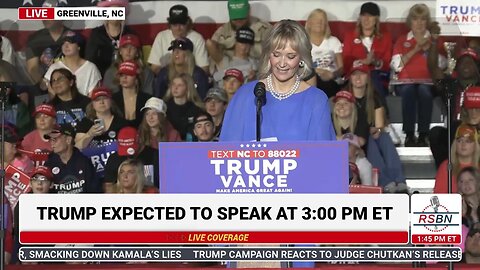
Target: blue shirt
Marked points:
304	116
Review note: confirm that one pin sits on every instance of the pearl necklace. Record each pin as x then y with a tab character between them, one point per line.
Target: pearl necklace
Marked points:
281	96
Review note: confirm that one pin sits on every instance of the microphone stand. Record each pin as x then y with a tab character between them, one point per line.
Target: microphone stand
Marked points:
3	99
259	103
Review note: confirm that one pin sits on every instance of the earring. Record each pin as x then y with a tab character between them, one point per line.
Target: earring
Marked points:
301	64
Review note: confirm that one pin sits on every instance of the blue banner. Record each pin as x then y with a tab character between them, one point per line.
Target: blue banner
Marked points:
99	154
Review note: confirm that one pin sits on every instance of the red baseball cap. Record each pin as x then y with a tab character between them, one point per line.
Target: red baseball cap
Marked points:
344	94
100	91
128	68
357	66
45	109
130	39
233	72
469	52
42	170
127	141
472	98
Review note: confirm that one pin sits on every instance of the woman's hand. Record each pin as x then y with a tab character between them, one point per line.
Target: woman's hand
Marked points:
324	74
375	132
96	130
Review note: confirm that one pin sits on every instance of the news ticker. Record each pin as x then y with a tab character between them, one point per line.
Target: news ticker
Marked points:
71	13
242	218
216	254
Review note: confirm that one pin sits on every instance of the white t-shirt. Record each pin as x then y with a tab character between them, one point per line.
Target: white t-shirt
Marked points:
88	75
7	50
160	55
323	56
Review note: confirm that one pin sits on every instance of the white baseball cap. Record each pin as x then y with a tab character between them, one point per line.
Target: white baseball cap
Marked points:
156	104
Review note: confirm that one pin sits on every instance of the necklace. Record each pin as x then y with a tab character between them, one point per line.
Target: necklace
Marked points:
281	96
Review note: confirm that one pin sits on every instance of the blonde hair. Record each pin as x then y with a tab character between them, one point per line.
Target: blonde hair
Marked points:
282	33
352	122
456	162
189	65
376	30
318	11
418	11
140	176
192	93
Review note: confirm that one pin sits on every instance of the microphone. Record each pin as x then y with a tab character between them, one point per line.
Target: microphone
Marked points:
435	203
260	94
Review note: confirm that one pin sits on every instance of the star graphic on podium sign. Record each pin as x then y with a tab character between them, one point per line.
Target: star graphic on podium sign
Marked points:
27	2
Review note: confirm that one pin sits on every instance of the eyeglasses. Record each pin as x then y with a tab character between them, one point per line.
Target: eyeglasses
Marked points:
39	177
59	79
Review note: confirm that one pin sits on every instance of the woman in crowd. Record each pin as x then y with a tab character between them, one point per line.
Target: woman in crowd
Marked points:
468	183
413	80
381	151
155	127
103	44
183	103
368	45
326	52
68	102
102	122
465	153
131	178
285	62
45	119
345	118
130	50
182	61
87	74
130	98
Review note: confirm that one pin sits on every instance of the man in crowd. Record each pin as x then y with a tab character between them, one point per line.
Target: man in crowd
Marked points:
180	26
203	127
72	171
216	104
239	14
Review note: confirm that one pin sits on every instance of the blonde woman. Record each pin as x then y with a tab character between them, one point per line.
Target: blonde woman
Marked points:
326	52
183	103
345	119
131	178
367	45
182	61
465	153
413	80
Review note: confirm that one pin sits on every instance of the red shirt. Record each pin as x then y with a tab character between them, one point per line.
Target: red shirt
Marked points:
416	69
34	143
353	49
441	179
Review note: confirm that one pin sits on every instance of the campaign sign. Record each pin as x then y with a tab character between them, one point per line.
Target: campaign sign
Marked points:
16	183
99	154
458	17
254	167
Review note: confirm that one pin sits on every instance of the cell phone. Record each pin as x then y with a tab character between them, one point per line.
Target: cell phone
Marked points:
99	122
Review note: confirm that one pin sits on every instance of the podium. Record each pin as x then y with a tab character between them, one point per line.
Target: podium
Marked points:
255	167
